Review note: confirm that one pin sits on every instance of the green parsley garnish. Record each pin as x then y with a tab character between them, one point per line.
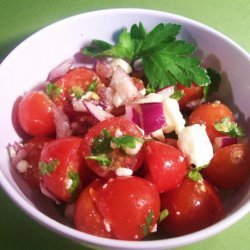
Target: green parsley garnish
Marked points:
77	91
229	128
163	215
177	95
194	174
165	60
103	160
92	86
101	144
126	141
53	90
148	224
48	167
75	177
215	78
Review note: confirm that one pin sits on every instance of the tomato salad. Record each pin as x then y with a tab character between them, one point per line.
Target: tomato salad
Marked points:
126	156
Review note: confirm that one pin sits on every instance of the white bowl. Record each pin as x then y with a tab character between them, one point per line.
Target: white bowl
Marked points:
29	64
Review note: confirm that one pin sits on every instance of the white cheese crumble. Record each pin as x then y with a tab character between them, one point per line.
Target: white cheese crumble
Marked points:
123	171
69	183
150	98
193	141
174	119
133	151
106	225
154	229
122	63
22	166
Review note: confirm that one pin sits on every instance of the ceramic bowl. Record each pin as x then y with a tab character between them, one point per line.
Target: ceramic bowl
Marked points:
28	66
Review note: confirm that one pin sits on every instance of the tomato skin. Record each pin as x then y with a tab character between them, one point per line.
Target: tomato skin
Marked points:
120	159
68	152
165	165
35	114
209	114
125	203
81	77
192	207
191	93
86	217
229	167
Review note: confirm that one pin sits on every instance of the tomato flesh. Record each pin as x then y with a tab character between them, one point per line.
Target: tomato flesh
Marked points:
35	114
192	206
165	165
229	167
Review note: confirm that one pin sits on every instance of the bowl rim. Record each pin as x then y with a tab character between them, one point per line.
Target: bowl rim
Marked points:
82	237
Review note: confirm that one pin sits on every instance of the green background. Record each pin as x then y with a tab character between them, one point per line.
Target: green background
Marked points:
20	18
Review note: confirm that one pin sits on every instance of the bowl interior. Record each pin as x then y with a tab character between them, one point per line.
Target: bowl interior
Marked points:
28	66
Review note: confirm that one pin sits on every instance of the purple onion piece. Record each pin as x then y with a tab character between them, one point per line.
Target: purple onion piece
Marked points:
223	141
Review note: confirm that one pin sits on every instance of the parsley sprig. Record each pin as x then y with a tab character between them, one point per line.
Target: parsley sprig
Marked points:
229	128
148	223
48	167
126	141
165	60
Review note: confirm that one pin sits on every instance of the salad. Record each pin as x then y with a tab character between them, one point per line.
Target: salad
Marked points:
133	146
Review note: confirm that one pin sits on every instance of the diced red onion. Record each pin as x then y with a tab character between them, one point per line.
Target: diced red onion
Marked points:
194	104
132	115
97	111
62	123
103	69
17	152
48	194
223	141
78	105
60	70
152	117
167	91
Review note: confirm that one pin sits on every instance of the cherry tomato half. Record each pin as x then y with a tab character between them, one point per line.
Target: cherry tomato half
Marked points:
35	114
117	156
229	167
192	206
61	166
165	165
209	114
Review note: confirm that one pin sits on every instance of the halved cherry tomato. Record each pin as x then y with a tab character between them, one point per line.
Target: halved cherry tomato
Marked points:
165	165
117	156
191	93
61	166
208	114
86	217
194	205
78	77
129	205
35	114
229	167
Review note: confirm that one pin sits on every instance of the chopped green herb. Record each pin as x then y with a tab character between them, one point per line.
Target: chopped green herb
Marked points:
101	144
48	167
178	94
92	86
126	141
229	128
75	177
103	160
53	90
194	174
215	78
163	215
165	60
77	91
148	224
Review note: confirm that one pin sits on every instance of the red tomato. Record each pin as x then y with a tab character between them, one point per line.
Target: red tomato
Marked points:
87	218
172	142
165	165
35	114
192	206
229	167
61	166
117	156
77	77
191	93
127	203
209	114
34	148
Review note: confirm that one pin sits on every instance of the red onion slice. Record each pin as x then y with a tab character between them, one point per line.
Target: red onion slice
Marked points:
132	115
97	111
223	141
167	91
152	117
45	192
60	70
